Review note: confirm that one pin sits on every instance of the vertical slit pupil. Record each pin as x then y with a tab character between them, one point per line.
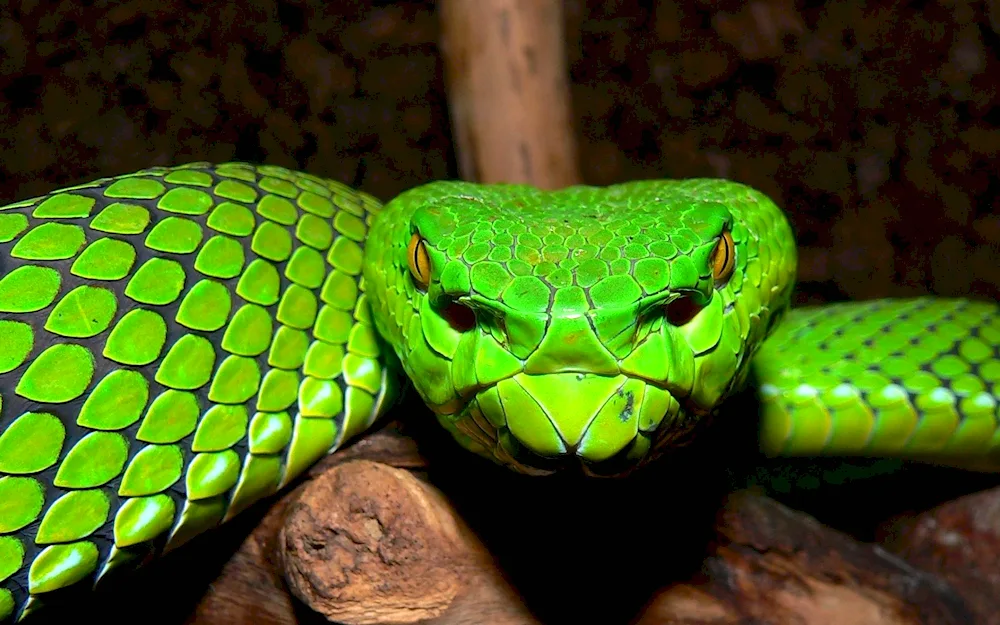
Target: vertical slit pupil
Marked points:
723	259
420	260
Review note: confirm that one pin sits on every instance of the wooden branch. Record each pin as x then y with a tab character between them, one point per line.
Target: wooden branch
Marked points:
772	565
251	587
365	541
508	90
369	544
959	541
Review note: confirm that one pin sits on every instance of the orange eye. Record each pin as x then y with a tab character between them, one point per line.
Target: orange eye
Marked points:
419	261
723	259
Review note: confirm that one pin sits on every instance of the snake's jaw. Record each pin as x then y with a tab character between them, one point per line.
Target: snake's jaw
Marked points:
592	417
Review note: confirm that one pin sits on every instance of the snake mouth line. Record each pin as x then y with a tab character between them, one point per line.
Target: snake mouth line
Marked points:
683	397
603	424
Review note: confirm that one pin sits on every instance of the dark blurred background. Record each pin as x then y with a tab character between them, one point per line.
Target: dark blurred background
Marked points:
875	125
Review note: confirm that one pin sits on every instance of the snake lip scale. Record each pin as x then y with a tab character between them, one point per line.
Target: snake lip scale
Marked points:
683	401
180	342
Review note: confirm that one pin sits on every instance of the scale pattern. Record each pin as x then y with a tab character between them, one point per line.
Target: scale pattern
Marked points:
916	378
175	344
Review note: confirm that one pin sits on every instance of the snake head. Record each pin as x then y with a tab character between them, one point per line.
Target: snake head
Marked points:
595	327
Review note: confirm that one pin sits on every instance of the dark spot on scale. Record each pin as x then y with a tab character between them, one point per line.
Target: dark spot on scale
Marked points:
629	408
580	376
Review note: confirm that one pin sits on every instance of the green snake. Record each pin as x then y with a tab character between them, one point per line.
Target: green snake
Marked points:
178	343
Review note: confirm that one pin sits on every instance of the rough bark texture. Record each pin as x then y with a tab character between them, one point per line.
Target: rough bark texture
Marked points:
365	541
960	541
369	544
772	565
508	91
250	588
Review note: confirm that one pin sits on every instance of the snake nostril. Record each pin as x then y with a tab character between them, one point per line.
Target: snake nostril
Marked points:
462	318
682	310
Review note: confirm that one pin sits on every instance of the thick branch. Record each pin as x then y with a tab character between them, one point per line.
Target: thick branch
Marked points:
505	64
369	544
959	541
772	565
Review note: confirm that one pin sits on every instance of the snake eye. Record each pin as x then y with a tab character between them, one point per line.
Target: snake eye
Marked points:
419	261
723	259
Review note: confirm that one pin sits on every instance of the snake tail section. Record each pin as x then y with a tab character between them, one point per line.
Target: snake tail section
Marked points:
175	344
914	379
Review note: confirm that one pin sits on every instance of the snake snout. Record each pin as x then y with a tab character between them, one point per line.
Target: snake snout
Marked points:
591	416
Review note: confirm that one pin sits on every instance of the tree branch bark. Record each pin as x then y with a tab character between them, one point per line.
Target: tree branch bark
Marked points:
508	89
367	542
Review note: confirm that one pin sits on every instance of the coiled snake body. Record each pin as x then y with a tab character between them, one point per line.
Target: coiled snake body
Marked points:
178	343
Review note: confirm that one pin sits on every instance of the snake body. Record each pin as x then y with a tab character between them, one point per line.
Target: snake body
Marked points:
177	343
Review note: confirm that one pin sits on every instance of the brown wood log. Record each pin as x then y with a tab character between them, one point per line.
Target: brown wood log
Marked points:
960	542
369	544
508	91
772	565
364	541
251	587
